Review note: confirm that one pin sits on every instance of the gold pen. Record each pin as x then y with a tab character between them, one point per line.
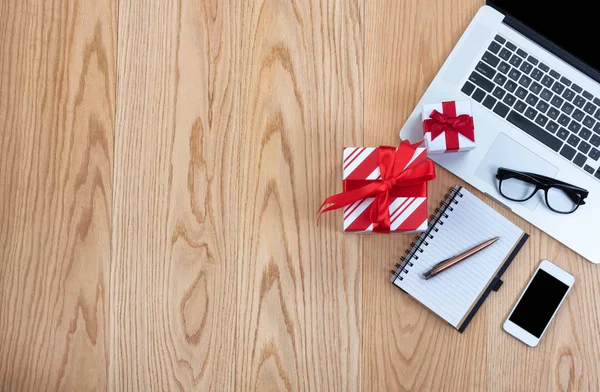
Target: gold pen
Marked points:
444	265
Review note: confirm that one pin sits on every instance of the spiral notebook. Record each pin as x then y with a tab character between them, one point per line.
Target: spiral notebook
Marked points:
461	222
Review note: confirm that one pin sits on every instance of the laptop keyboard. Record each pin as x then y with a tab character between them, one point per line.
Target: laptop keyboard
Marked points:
539	101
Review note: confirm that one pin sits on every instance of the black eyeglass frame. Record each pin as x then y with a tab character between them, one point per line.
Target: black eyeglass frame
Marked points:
575	193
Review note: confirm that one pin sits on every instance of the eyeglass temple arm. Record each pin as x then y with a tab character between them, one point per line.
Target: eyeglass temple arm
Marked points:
577	198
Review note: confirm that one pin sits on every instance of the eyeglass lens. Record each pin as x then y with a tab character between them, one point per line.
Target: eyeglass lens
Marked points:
516	189
560	201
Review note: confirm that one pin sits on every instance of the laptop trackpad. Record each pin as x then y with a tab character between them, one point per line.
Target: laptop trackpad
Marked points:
505	152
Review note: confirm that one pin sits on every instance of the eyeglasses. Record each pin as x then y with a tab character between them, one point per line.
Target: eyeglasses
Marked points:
521	186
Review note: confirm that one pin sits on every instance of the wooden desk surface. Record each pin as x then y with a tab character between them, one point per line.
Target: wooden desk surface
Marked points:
161	165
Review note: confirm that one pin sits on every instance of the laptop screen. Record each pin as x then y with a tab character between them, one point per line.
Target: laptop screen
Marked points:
571	25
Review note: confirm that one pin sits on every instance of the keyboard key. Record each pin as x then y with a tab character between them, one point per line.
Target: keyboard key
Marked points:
510	86
485	70
568	94
533	130
567	108
532	60
501	109
589	169
511	46
503	67
563	120
544	67
584	147
509	99
498	93
595	140
482	82
579	101
565	81
546	94
558	87
490	59
597	115
522	53
553	113
547	81
589	108
588	122
577	88
597	101
468	88
578	115
552	127
585	133
568	152
557	101
536	87
514	74
489	102
504	54
542	106
500	79
530	113
500	39
554	74
562	133
537	74
541	120
494	47
515	60
597	175
588	95
526	67
520	106
521	93
531	99
574	126
573	140
478	95
580	160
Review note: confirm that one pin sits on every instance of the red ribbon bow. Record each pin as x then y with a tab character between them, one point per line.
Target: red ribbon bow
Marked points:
395	182
450	123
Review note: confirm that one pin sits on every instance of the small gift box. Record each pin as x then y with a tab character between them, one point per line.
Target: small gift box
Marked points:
448	127
385	189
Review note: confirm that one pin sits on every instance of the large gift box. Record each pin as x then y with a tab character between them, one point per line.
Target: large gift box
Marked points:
448	127
384	189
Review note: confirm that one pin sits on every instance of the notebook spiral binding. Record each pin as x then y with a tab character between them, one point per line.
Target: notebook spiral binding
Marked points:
421	240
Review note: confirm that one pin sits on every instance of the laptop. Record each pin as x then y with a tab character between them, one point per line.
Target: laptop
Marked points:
532	73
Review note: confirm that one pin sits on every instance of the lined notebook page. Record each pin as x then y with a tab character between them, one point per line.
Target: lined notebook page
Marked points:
453	292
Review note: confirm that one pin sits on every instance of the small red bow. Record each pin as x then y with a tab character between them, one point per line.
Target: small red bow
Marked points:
440	122
392	163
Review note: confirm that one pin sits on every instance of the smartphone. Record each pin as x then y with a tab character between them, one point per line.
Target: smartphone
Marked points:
538	303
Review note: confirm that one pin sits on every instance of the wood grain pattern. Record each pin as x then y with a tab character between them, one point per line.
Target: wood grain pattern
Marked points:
174	238
299	286
161	164
57	102
211	154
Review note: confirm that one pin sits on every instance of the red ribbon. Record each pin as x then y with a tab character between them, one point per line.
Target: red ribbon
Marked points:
451	124
395	182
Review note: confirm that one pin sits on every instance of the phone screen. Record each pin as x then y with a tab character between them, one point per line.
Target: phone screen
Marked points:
538	303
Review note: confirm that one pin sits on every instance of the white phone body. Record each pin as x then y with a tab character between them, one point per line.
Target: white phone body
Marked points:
534	323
